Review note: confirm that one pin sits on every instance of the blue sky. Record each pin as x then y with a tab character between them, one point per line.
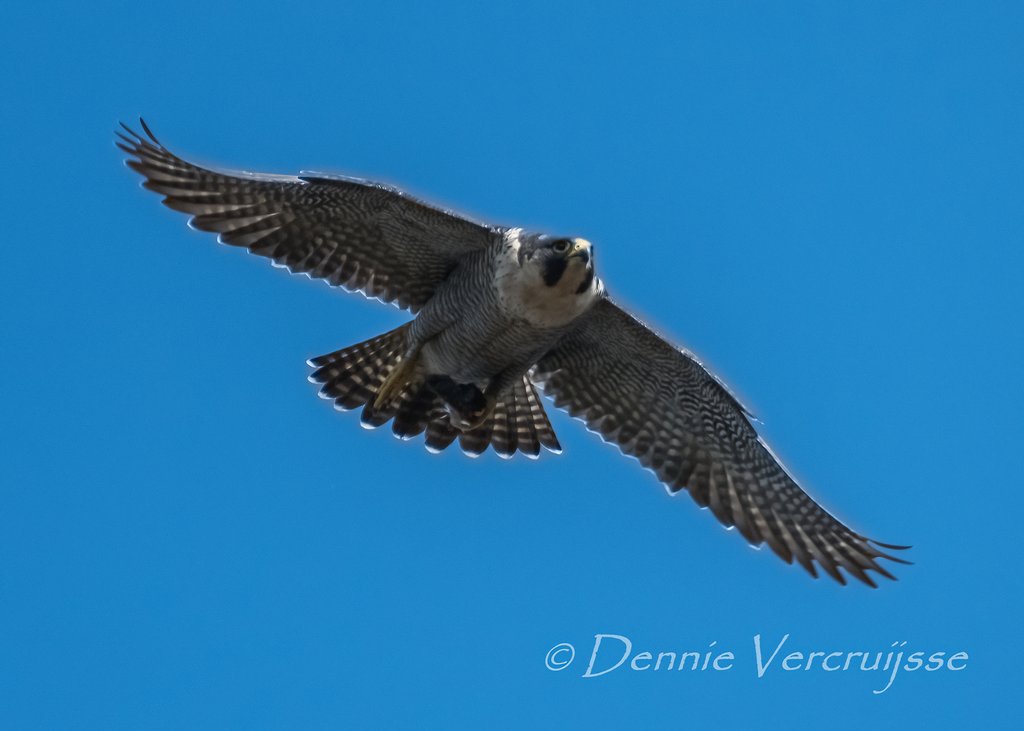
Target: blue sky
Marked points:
823	200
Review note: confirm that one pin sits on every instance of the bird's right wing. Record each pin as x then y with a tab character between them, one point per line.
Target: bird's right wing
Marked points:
351	233
657	403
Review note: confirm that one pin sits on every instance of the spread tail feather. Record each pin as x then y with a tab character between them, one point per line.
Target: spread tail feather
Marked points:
517	424
353	376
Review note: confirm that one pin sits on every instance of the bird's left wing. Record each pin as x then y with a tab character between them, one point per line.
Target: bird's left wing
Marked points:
660	405
351	233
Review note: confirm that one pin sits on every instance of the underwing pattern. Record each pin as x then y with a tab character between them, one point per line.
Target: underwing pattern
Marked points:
498	312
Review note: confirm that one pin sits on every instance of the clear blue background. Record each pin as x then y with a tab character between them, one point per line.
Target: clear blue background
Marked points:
822	199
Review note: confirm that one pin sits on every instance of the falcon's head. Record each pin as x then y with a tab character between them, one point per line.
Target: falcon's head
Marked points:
565	264
550	280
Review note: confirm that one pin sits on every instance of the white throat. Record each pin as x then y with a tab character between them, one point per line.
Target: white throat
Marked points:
523	293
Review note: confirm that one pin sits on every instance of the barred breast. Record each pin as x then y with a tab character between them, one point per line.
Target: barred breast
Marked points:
484	335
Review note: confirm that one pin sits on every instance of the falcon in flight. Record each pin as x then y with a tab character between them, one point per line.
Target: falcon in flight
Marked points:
500	312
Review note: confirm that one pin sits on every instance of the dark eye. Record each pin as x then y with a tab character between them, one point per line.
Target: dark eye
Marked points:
561	246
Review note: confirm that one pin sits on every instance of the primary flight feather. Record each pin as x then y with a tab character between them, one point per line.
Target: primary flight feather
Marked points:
498	312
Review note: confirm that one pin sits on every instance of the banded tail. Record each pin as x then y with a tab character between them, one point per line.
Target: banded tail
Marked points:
352	377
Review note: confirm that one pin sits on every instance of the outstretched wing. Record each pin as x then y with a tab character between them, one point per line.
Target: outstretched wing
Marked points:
351	233
660	405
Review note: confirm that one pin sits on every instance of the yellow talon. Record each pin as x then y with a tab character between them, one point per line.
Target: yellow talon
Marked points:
395	383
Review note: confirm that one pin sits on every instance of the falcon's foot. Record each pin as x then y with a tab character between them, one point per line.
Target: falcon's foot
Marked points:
468	406
396	381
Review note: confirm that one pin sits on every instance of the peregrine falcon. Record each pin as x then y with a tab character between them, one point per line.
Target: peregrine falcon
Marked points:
498	312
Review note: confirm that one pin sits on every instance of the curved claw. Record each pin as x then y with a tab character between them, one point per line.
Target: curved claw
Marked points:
395	383
468	417
468	406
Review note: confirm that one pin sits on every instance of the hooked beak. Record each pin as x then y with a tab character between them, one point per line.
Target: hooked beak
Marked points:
582	249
